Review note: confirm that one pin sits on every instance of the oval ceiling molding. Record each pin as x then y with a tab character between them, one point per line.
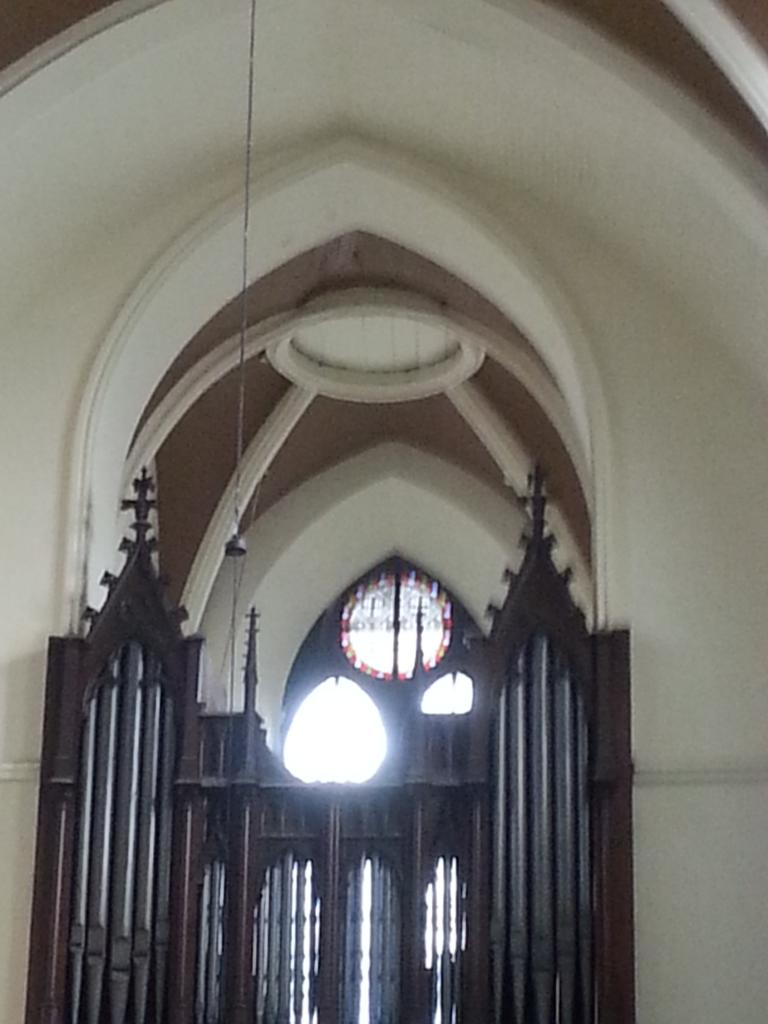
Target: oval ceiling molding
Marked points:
376	345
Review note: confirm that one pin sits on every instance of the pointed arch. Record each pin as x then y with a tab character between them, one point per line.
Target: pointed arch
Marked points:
382	193
311	535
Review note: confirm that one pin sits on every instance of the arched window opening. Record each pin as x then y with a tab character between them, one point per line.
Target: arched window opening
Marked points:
336	735
389	647
451	694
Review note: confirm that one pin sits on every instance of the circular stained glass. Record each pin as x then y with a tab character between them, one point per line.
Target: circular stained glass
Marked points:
379	624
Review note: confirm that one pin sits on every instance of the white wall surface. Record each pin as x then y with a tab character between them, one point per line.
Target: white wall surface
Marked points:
701	852
639	226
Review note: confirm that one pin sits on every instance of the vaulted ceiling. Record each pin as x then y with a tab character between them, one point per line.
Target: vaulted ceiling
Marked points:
465	421
649	29
196	458
509	139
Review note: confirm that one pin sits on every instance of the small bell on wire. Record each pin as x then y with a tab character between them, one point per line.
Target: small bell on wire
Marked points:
235	546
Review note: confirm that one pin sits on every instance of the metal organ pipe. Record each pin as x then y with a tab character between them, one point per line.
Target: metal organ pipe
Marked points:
164	831
204	938
584	869
284	977
542	871
101	836
145	881
542	859
80	902
121	909
273	965
500	826
566	840
208	996
213	964
352	951
119	915
446	972
299	925
286	924
516	795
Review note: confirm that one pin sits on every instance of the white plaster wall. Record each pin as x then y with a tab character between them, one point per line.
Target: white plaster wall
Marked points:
692	467
18	798
701	855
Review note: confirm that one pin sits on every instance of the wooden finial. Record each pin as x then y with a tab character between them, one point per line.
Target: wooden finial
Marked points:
251	679
537	502
142	504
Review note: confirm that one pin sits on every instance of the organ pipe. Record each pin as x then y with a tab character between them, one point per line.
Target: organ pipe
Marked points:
117	907
80	902
566	755
444	979
352	950
284	977
204	939
101	837
517	800
298	927
542	870
147	828
164	847
584	870
121	909
285	943
500	829
542	940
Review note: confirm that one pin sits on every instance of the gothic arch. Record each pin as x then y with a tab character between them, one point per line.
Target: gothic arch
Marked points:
393	197
307	528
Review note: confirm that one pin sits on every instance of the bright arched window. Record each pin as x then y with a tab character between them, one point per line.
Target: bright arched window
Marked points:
336	735
451	694
388	649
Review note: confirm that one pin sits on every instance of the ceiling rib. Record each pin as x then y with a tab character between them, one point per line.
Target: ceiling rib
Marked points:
210	369
736	50
257	459
213	366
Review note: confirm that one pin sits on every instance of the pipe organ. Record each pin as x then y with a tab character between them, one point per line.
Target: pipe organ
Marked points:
119	919
184	876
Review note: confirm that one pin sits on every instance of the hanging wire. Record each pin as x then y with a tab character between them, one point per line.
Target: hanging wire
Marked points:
240	567
235	547
236	544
